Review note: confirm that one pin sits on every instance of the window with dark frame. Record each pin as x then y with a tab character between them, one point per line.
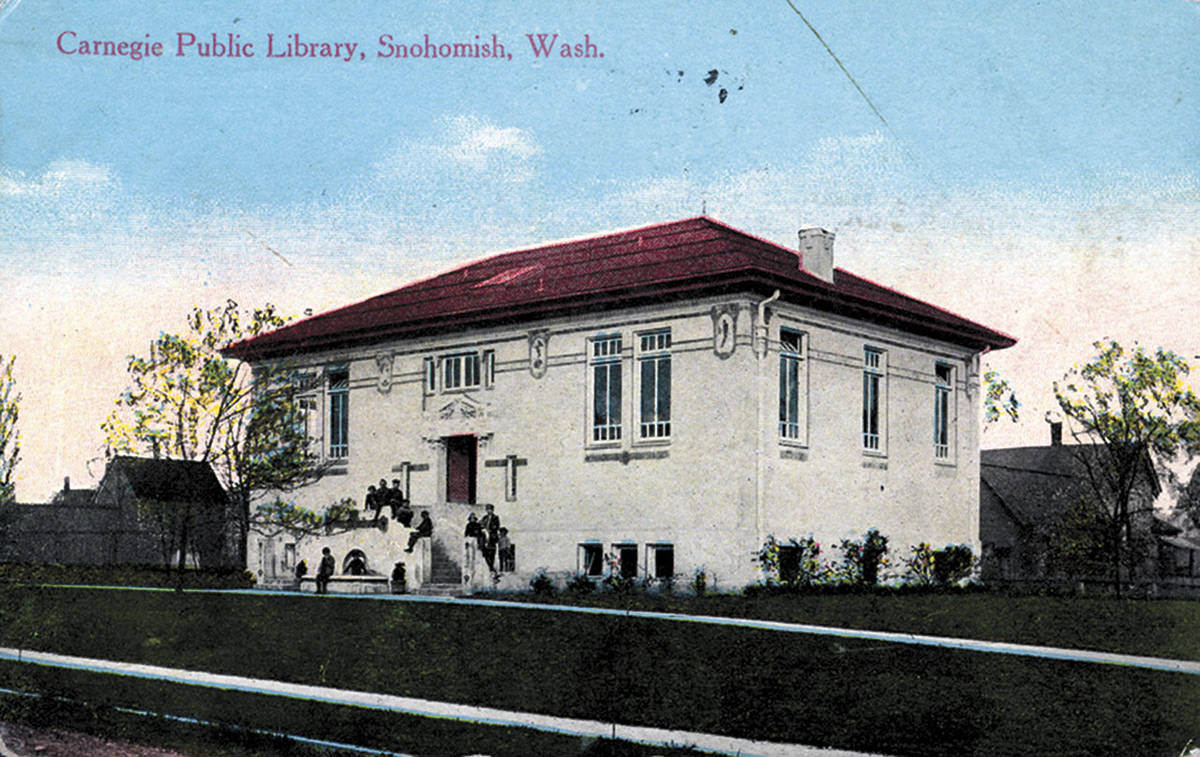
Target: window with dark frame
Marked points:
488	369
789	563
627	556
654	358
872	406
306	423
606	388
661	558
429	382
591	559
792	395
942	393
460	371
339	413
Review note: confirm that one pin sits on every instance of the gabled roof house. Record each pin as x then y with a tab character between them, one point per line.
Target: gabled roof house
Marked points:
134	517
1025	492
656	400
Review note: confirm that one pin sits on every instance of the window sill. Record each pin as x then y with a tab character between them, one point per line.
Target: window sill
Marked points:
614	444
874	453
461	389
945	463
793	443
655	442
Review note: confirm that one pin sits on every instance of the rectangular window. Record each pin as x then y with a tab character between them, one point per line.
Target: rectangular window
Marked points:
460	371
606	388
943	391
489	369
307	423
789	563
627	559
873	407
591	560
429	382
339	413
661	557
793	389
654	357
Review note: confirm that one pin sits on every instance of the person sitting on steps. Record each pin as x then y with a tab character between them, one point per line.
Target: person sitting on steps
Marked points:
424	531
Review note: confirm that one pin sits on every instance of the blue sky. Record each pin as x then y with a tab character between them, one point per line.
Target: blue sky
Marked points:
1038	169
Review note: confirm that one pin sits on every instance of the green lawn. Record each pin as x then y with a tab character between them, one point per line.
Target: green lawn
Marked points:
1158	628
872	696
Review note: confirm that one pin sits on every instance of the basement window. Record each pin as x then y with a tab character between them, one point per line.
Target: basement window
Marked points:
591	559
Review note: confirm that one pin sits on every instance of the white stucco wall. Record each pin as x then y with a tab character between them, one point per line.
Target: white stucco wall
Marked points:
718	486
833	489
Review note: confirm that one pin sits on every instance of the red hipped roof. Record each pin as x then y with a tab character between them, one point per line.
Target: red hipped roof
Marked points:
692	257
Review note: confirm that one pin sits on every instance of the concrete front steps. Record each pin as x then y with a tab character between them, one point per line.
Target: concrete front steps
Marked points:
443	569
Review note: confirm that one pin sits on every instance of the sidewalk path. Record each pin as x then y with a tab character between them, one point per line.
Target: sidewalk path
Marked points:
661	737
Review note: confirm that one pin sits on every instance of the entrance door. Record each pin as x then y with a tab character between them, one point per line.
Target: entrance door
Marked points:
461	459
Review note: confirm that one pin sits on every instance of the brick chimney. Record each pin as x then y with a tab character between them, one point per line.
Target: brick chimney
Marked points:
1054	420
816	252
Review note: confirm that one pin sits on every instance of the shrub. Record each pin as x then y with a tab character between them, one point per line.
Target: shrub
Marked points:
619	584
861	560
919	565
580	585
614	580
938	567
794	563
700	581
952	564
667	583
541	584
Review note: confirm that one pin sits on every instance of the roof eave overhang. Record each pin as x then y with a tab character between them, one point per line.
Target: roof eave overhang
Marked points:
815	294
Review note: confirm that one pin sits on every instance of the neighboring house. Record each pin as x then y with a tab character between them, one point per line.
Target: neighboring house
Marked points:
1026	491
1178	543
665	397
136	516
67	530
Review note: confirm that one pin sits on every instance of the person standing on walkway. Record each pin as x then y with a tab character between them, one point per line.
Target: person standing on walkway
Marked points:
325	571
490	523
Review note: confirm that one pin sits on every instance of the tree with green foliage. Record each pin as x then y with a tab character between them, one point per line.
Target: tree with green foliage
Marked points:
10	438
1127	409
10	443
186	401
999	399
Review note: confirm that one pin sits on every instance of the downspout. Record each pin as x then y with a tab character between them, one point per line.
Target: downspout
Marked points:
761	332
760	326
976	366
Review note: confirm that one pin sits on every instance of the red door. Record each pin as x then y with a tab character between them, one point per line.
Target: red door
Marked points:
461	454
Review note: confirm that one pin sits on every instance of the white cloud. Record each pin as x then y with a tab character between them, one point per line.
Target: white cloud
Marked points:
60	177
466	143
475	143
